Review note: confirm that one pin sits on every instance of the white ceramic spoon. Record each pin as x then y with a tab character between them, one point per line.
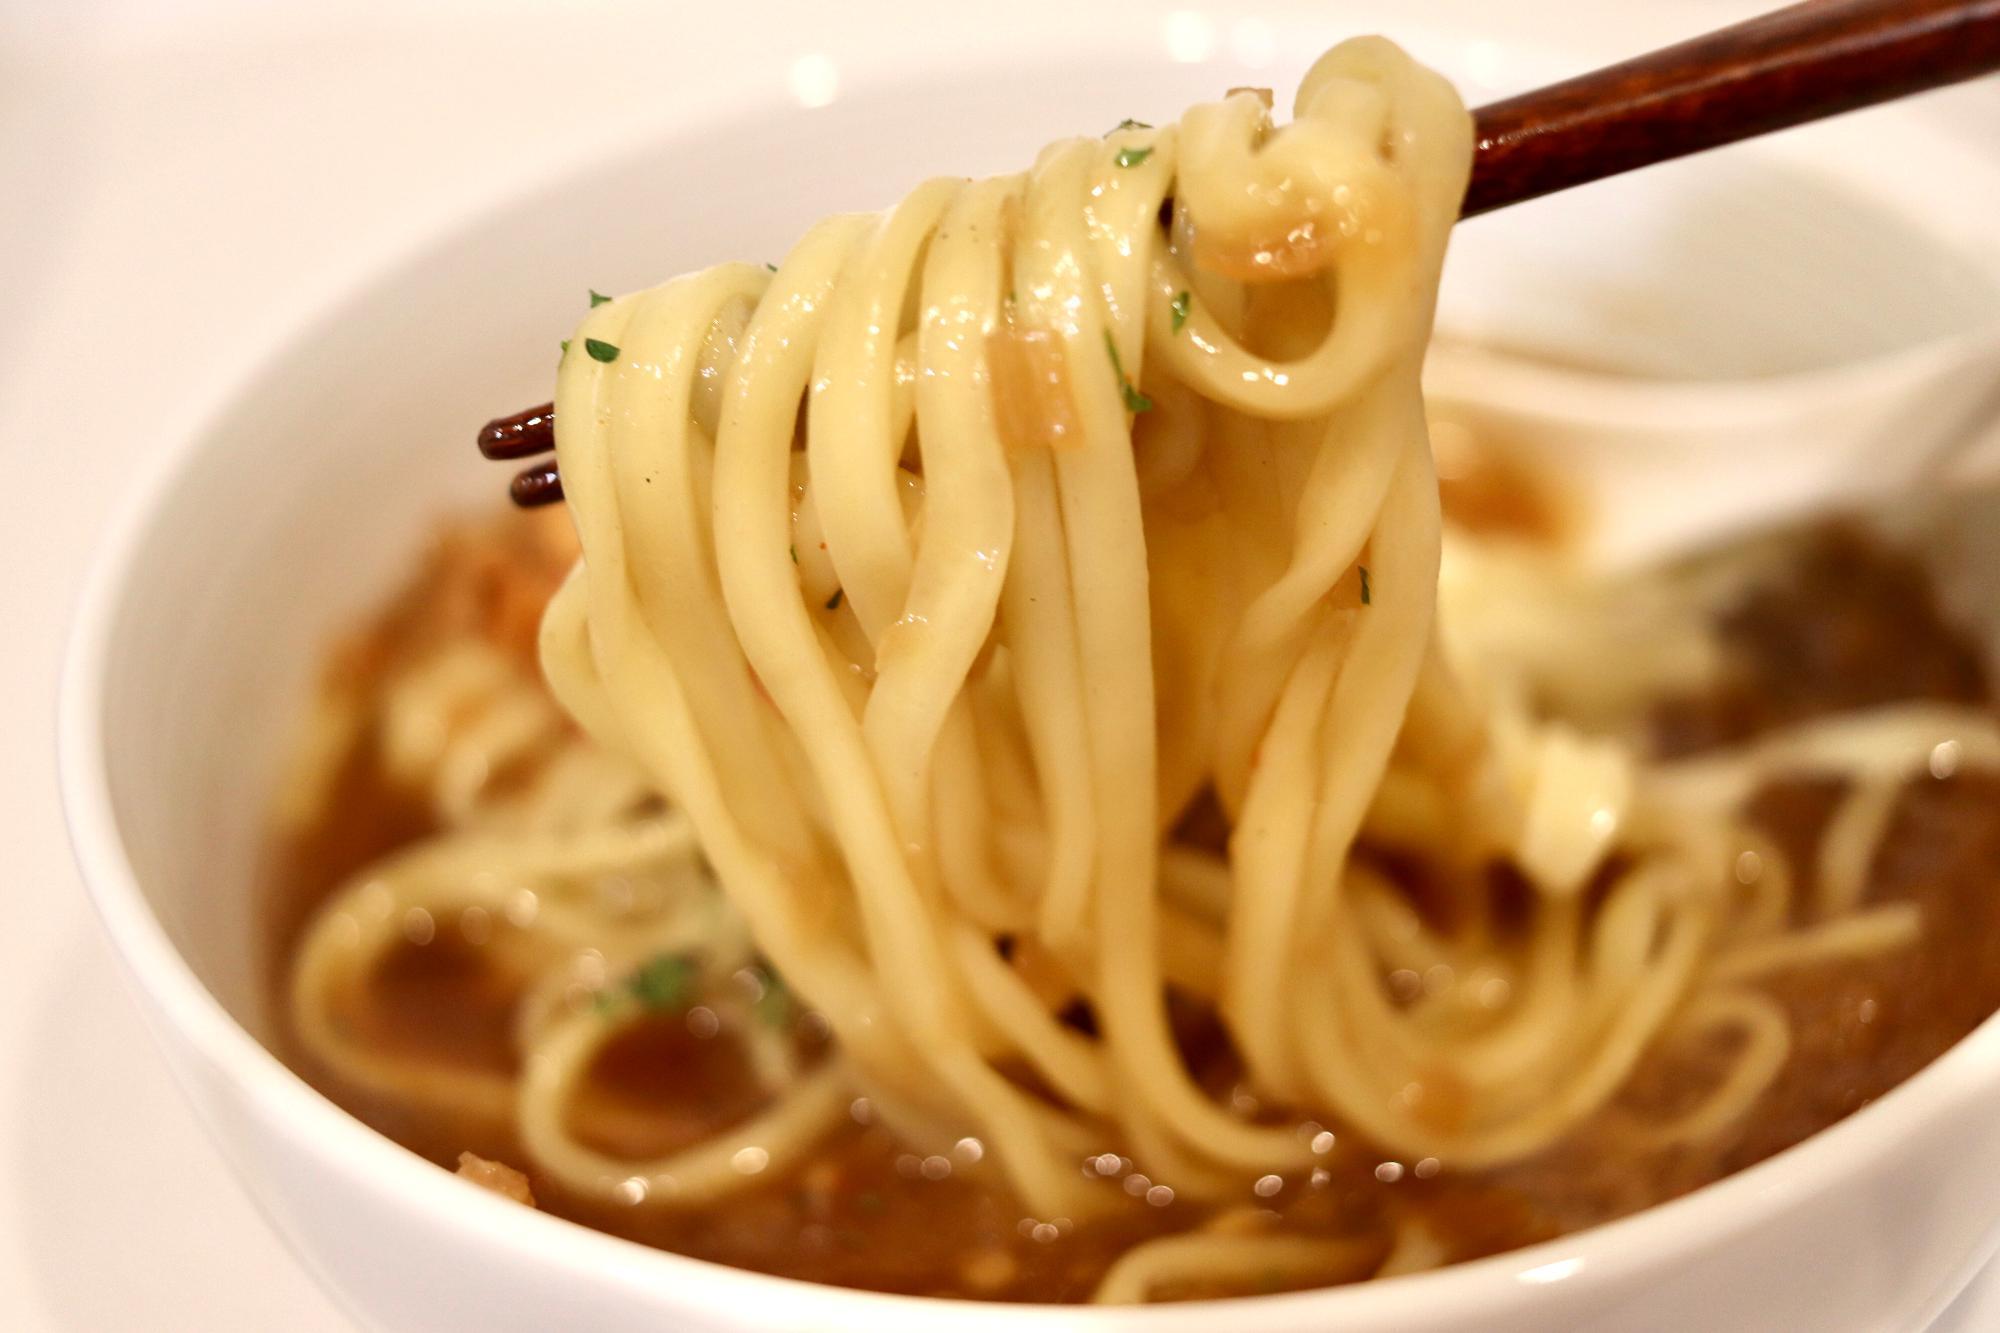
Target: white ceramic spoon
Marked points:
1781	346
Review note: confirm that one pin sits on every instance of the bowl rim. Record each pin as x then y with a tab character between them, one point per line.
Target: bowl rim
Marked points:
175	998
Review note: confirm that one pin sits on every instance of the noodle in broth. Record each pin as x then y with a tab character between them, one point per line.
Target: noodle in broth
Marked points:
939	588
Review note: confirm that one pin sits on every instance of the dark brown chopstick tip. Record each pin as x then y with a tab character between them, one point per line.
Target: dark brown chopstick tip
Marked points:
522	435
536	486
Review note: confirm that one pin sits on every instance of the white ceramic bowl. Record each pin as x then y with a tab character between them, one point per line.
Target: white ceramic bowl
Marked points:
295	496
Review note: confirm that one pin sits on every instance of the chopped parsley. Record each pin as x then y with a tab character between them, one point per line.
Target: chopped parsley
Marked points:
774	1004
1127	124
833	602
663	984
795	555
1365	595
1179	305
1134	400
601	351
773	267
565	347
597	298
1132	157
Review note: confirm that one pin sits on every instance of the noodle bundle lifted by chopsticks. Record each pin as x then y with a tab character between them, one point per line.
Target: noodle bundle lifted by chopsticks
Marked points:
934	575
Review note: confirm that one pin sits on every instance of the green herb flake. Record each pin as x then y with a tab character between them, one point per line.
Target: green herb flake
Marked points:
565	347
600	351
773	267
1179	305
871	1203
1134	400
1366	596
833	602
774	1004
1132	157
664	983
795	554
597	298
1127	124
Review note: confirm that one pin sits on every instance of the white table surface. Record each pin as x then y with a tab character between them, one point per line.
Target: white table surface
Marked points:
171	177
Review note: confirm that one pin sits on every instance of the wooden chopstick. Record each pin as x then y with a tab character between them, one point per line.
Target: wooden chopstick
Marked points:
1803	63
1794	65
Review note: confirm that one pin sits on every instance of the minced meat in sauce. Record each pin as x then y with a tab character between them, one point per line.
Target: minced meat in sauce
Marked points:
1840	624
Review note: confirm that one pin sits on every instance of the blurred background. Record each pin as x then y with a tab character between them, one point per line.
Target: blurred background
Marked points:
182	178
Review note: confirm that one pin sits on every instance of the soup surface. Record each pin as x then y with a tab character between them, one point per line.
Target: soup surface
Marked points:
1834	622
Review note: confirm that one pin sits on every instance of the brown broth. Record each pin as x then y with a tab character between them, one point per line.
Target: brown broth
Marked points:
1489	485
1843	624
